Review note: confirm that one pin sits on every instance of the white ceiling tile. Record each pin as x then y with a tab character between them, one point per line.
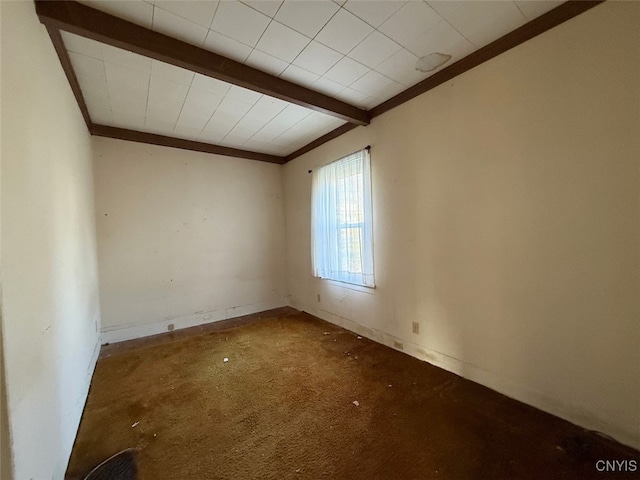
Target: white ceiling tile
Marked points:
200	12
230	108
125	82
340	2
171	72
208	84
442	38
343	32
85	46
279	124
237	21
235	140
123	106
135	11
161	89
268	7
166	98
481	22
374	49
248	126
257	117
317	58
328	87
306	17
377	85
374	12
187	132
101	117
264	136
412	20
89	71
353	97
177	27
223	120
282	42
296	111
190	123
160	124
266	63
401	67
212	136
124	58
346	71
200	105
534	8
273	105
244	95
371	102
227	47
255	144
298	75
99	105
131	122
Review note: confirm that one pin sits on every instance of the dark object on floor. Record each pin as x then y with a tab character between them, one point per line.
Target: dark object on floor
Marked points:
122	466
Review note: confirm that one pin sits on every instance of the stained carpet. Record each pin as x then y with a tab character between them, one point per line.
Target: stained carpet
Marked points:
300	398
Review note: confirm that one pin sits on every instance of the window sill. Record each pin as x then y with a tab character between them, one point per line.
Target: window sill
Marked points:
351	286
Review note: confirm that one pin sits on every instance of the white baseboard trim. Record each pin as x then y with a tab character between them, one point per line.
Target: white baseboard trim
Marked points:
576	414
121	333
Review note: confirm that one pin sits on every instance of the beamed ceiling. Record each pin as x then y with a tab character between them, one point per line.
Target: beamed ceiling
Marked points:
270	79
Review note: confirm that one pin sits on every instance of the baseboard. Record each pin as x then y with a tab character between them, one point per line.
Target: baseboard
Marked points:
122	333
573	413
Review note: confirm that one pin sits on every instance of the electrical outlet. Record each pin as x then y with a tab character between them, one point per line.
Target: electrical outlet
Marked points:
398	345
415	328
318	297
170	327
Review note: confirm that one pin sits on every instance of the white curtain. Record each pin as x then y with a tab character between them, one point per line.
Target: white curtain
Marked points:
341	220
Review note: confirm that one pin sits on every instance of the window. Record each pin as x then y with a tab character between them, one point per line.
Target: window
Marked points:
341	220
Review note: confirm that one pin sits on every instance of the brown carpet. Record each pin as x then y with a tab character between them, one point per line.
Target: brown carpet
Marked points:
283	407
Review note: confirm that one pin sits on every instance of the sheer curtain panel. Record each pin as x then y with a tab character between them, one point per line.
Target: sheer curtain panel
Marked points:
341	220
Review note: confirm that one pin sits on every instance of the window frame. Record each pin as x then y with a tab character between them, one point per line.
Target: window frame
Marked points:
328	228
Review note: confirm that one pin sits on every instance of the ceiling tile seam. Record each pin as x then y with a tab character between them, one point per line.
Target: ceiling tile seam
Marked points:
386	58
146	108
292	126
183	104
178	15
520	10
106	80
276	137
270	142
241	118
261	35
314	37
275	56
254	9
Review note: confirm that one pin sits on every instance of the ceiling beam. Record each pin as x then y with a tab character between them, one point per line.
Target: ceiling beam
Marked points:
153	139
65	61
88	22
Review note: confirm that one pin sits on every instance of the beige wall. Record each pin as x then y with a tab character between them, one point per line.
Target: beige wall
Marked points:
184	238
507	224
50	304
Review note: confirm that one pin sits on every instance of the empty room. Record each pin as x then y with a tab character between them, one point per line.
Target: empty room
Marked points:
346	239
